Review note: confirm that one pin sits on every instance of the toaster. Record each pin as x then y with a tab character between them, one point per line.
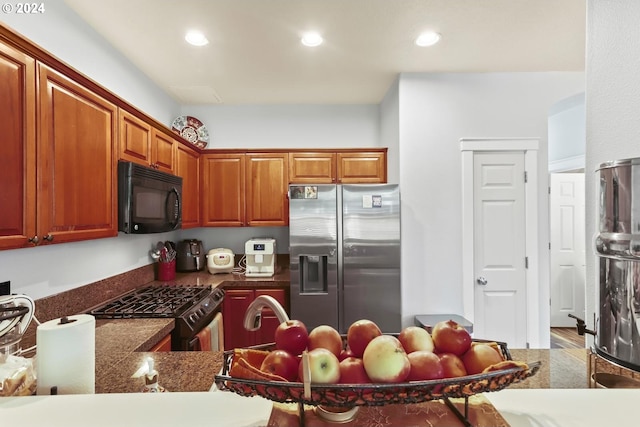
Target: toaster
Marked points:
220	260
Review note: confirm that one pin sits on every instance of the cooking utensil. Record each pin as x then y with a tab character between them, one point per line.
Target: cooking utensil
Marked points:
155	253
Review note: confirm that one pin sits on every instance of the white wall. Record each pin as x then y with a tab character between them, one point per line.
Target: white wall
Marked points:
612	105
390	131
288	126
567	134
436	110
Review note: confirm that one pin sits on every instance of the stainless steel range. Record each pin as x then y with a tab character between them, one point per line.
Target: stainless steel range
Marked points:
192	307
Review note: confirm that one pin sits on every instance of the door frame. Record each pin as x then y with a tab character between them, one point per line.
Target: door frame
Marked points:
530	147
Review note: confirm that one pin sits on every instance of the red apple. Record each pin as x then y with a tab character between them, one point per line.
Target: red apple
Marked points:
324	366
415	338
325	336
452	365
291	336
281	363
480	356
359	334
352	371
425	365
385	360
346	352
449	337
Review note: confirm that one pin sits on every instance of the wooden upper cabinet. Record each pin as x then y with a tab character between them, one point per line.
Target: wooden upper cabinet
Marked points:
188	167
77	161
312	168
244	189
18	148
267	188
163	151
223	190
362	167
135	138
141	143
340	166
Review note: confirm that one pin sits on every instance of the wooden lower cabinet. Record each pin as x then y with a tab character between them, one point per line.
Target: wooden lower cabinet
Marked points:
235	305
163	345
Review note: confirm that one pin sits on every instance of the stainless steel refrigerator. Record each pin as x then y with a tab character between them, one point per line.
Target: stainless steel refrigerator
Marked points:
345	255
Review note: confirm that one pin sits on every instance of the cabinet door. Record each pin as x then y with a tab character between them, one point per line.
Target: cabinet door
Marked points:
18	148
77	161
163	345
223	186
267	187
188	167
312	168
234	306
162	151
135	138
266	333
361	167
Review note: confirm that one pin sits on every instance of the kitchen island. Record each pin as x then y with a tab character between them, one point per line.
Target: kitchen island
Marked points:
520	408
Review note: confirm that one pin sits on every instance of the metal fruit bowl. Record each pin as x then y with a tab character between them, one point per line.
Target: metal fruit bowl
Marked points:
375	394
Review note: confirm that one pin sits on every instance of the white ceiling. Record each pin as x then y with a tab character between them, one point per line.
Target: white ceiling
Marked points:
255	57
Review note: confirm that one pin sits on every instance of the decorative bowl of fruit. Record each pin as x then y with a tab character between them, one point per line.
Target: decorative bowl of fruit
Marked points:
367	368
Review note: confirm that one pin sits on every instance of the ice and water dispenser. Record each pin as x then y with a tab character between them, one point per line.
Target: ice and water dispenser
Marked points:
313	274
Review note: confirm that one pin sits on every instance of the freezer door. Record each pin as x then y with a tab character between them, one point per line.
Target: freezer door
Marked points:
313	254
371	255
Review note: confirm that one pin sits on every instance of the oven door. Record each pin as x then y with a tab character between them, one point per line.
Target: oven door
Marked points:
209	338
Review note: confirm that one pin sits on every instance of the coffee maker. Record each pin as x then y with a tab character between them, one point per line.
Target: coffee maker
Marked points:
260	256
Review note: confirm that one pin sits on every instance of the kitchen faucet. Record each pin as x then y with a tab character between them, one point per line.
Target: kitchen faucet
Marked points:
253	315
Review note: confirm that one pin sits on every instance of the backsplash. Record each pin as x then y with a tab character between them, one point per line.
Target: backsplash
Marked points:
81	299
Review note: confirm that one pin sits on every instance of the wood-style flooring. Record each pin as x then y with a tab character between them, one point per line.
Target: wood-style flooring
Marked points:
566	338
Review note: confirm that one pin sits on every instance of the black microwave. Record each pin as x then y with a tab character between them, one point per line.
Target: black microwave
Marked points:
149	201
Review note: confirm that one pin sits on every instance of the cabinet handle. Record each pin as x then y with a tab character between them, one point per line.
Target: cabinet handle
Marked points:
35	240
48	238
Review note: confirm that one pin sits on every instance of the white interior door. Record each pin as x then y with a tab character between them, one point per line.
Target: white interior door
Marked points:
567	262
500	296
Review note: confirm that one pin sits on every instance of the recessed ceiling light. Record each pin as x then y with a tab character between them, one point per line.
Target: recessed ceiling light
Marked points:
428	39
196	38
311	39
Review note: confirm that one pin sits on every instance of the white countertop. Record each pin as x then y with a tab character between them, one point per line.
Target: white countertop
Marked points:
520	407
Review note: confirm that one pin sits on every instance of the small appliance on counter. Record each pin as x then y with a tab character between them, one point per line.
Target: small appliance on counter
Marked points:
220	260
190	256
16	312
260	257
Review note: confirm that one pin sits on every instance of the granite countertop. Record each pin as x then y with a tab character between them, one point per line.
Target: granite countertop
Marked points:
122	345
122	348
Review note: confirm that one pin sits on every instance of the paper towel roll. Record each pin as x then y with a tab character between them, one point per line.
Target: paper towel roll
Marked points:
65	358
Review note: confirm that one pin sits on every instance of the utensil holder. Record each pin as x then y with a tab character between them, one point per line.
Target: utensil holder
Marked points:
166	271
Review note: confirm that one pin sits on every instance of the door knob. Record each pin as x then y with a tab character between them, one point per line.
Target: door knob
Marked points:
481	281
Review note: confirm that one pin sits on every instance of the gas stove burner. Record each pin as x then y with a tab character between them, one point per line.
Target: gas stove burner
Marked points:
155	301
193	308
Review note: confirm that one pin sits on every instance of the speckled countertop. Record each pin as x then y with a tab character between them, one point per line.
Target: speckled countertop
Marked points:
122	345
